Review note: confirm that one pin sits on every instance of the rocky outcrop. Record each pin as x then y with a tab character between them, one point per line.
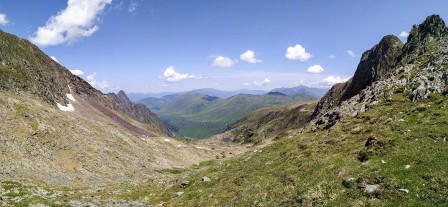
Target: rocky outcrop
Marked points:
417	69
138	111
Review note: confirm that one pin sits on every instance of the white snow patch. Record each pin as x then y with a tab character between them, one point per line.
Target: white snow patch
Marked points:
70	96
69	107
167	140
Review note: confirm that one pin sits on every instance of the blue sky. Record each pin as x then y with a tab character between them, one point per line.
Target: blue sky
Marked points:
177	45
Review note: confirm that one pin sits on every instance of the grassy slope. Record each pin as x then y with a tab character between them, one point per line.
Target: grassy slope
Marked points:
314	168
273	122
193	116
152	103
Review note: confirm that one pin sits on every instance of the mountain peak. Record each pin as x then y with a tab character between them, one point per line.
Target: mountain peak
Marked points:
415	69
432	28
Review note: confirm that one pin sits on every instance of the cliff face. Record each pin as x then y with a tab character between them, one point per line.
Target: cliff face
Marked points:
138	111
417	68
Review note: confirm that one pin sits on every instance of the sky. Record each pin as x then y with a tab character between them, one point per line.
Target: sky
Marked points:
176	45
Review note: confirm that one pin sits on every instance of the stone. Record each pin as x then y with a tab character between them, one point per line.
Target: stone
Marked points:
206	179
407	166
179	193
370	188
184	183
403	190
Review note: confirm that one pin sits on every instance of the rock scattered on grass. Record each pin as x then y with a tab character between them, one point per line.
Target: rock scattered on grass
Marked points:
403	190
370	188
206	179
184	183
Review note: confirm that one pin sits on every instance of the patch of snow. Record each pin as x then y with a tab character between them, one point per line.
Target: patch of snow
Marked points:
70	96
407	166
167	140
68	108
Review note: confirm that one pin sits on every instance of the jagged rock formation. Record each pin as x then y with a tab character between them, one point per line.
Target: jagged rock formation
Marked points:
417	68
26	70
137	111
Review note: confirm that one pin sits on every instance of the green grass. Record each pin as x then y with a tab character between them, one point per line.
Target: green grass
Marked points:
320	168
197	116
315	168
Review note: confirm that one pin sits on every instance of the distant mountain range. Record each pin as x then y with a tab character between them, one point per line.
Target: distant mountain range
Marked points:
195	116
316	92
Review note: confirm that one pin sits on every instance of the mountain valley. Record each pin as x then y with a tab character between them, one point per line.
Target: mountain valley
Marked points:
378	139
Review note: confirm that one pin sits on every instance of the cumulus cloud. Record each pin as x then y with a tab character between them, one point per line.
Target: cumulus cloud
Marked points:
101	84
104	85
77	20
331	80
54	58
297	53
351	53
404	34
249	56
315	69
3	19
133	5
223	62
91	77
76	72
264	82
170	75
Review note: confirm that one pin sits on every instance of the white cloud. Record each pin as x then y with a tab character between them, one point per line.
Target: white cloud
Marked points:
133	5
331	80
249	56
297	53
76	72
315	69
54	58
91	77
404	34
3	19
223	62
351	53
265	82
74	22
104	85
101	84
332	56
170	75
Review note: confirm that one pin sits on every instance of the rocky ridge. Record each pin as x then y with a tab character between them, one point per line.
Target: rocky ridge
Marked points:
26	70
417	69
137	111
